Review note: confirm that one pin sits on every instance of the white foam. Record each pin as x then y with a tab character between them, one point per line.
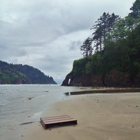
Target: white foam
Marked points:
37	115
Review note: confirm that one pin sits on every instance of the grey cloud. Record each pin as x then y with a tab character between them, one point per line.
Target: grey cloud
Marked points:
45	21
74	45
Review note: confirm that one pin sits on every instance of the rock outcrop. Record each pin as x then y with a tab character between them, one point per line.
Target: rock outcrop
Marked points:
113	79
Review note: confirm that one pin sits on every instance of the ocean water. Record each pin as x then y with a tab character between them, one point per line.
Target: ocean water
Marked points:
24	103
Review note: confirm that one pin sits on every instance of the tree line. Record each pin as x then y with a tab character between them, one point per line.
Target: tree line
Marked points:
111	28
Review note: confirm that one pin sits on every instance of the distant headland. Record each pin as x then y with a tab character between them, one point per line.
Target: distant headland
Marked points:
22	74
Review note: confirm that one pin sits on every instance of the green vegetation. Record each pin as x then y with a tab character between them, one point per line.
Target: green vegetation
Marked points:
116	46
22	74
11	76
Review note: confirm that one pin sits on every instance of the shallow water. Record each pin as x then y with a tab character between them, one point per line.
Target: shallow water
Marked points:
26	103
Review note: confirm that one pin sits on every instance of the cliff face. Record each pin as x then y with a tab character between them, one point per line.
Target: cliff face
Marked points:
113	79
84	80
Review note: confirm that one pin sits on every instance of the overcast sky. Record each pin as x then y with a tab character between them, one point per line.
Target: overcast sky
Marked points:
47	34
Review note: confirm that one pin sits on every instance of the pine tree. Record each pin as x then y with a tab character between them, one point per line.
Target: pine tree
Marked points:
86	48
135	9
104	25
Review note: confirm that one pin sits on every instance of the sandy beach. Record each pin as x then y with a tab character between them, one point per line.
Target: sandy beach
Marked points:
99	116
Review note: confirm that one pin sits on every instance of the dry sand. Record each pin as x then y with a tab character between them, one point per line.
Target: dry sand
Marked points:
100	117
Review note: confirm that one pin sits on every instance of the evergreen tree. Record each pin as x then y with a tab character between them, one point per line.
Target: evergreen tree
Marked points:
135	9
86	48
104	25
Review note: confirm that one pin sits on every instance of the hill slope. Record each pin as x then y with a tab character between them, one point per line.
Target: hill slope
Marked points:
22	74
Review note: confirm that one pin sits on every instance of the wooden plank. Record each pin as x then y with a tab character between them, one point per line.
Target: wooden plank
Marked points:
56	117
58	120
45	121
55	120
48	125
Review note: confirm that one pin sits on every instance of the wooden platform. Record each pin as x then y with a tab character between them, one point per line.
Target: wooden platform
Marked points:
61	120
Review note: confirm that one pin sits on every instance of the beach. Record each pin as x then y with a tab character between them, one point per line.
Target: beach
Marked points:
100	117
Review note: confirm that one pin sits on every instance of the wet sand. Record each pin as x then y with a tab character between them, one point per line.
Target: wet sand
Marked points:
99	116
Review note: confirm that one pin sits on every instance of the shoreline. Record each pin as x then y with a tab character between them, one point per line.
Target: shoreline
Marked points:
99	116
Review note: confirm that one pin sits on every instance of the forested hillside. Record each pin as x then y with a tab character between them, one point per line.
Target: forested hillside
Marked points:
22	74
116	45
